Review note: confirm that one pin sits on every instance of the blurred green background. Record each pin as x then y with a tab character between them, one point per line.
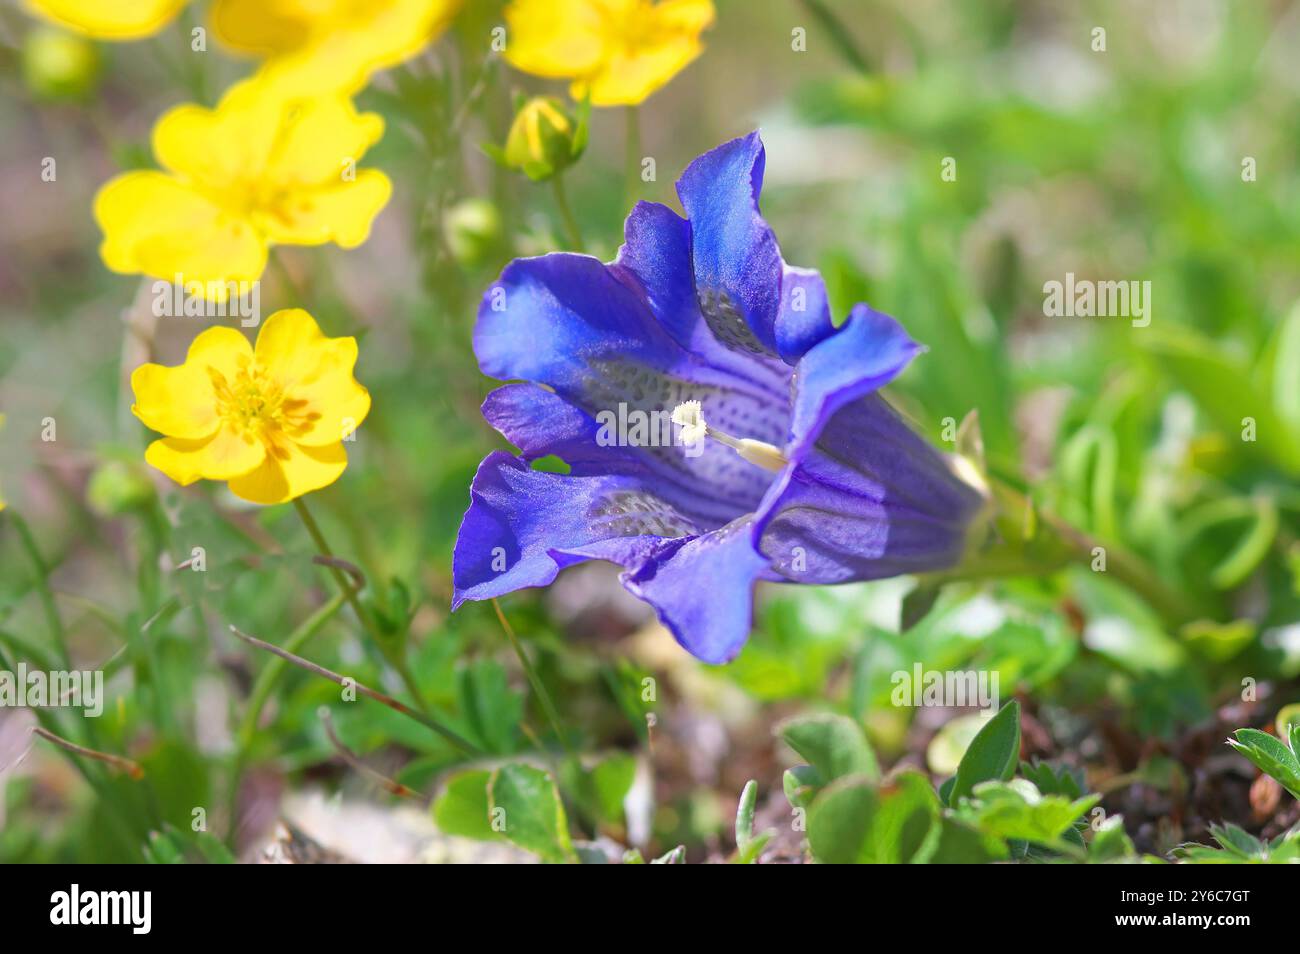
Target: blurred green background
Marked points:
1122	164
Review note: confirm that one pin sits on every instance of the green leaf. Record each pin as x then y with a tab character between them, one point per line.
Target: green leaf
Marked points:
532	815
944	753
1017	810
749	845
462	807
1226	391
960	844
745	814
857	821
833	745
1053	779
801	784
491	707
1288	717
1286	396
1218	642
1270	756
1111	842
602	788
993	753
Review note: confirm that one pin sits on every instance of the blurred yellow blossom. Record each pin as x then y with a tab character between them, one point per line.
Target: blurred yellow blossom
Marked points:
109	19
317	45
254	172
616	51
271	418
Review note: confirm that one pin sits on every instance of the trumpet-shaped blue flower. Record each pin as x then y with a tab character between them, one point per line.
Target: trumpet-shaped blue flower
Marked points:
804	474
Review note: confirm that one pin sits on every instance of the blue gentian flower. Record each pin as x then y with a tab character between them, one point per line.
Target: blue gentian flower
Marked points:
812	477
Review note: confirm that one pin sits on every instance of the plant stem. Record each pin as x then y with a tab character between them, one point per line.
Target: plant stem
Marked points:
52	619
381	697
350	594
271	672
543	696
118	762
841	39
566	214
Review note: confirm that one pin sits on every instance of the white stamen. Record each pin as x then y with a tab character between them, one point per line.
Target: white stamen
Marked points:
690	418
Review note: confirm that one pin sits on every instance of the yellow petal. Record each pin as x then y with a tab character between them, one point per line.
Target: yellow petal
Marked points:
109	19
259	27
316	374
225	146
558	38
331	46
180	401
629	79
157	225
301	471
222	456
321	140
657	43
340	213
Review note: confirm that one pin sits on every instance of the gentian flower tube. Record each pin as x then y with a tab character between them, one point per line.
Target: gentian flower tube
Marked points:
778	461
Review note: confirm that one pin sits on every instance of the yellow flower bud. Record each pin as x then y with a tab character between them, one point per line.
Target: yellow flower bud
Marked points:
544	139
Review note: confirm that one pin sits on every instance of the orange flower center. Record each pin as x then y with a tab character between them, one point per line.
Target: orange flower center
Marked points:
255	405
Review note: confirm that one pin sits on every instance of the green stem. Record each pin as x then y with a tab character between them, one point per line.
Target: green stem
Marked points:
350	594
841	39
535	680
1033	542
566	214
52	619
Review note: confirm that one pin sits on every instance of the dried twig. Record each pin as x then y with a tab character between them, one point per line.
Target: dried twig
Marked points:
380	697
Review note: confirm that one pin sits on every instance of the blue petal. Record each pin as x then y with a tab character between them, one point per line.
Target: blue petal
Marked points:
541	422
523	526
870	499
751	301
656	259
589	332
702	589
863	355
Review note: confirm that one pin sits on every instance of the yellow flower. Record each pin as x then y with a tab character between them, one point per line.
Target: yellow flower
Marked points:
270	419
618	51
316	45
109	19
254	172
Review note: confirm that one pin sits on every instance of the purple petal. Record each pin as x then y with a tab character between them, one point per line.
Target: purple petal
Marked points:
863	355
870	499
524	525
753	303
702	589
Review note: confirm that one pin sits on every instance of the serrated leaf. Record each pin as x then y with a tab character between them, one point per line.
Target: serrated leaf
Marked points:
1271	756
1016	810
992	755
